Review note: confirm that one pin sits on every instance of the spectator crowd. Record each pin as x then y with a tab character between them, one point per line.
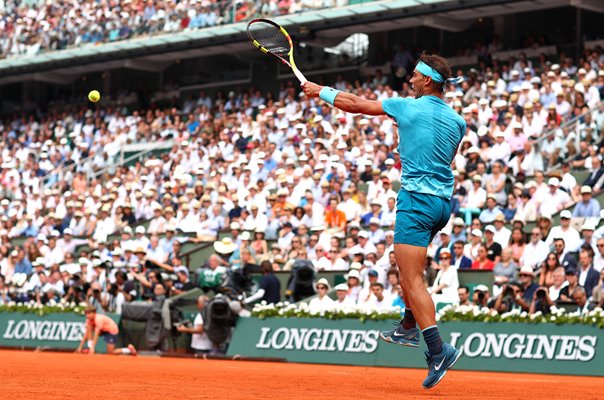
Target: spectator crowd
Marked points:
290	178
51	25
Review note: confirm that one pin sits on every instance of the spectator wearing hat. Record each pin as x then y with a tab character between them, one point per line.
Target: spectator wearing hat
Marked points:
488	215
554	199
588	207
376	212
353	279
474	201
471	249
493	248
365	244
571	236
183	284
502	234
68	244
587	236
481	297
343	301
525	277
588	277
376	234
459	232
322	302
445	242
446	283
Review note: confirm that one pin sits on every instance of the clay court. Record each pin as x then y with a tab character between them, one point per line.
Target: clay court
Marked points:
47	375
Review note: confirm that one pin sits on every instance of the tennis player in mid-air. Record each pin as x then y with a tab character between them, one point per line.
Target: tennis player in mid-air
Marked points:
429	135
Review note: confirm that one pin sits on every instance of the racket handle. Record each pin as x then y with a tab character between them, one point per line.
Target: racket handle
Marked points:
299	75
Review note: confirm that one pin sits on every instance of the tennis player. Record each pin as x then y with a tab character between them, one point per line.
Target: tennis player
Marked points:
101	325
429	135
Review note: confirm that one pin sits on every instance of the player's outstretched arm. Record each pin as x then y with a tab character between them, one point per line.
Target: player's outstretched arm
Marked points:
344	101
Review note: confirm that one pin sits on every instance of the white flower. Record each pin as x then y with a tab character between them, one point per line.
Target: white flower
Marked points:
523	314
552	318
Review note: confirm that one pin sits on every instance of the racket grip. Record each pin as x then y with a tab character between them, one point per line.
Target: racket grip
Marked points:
299	75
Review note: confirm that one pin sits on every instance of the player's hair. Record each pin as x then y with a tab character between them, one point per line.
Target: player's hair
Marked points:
90	309
441	65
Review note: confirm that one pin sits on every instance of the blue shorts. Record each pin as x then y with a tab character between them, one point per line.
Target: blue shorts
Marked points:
419	217
109	338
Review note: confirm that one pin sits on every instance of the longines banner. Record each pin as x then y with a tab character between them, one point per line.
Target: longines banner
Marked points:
514	347
53	331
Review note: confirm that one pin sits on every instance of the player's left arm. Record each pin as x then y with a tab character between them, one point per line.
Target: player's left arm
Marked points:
346	101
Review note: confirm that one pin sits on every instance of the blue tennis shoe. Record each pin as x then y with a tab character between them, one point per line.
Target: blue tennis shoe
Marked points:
402	336
440	364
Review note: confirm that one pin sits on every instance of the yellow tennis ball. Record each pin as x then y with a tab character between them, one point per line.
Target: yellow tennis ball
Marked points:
94	96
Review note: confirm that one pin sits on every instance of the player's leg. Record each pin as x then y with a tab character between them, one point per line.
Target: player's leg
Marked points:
405	332
430	214
130	350
419	218
110	341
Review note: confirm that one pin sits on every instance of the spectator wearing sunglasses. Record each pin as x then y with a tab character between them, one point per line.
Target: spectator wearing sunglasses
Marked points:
322	302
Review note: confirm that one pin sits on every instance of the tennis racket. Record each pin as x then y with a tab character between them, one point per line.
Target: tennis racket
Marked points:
272	39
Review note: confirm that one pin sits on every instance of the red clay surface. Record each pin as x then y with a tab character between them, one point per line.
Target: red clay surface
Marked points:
31	375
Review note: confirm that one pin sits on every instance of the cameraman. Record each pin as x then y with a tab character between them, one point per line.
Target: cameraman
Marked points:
481	296
541	301
200	342
511	298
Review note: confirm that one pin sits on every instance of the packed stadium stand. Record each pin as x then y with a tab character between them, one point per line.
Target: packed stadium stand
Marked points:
201	159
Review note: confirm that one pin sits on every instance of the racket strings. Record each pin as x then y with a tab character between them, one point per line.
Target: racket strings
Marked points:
270	37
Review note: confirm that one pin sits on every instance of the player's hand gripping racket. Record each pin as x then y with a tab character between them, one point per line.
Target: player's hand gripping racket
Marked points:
272	39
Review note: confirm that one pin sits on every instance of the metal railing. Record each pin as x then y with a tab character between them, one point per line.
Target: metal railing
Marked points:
136	156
